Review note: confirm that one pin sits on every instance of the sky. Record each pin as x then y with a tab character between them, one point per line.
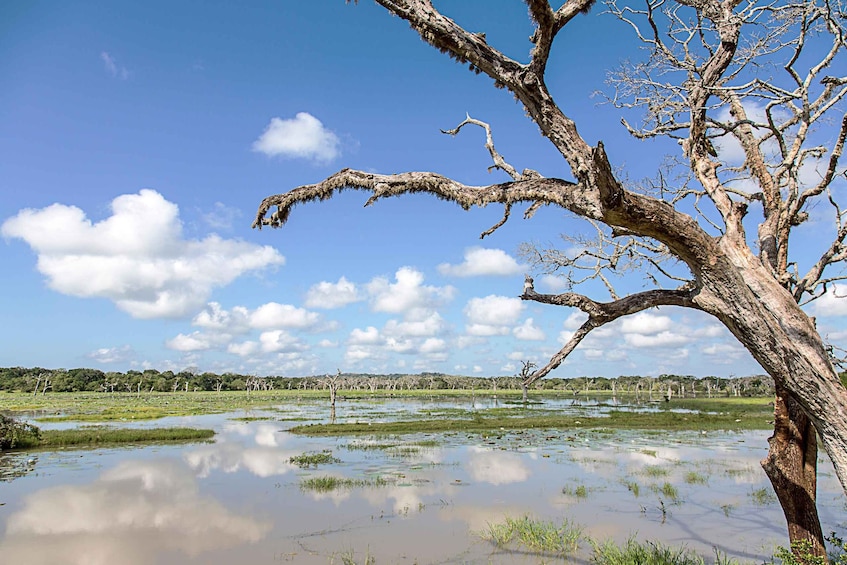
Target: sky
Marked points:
138	138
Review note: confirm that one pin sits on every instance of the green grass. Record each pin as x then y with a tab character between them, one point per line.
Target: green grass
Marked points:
632	487
547	538
656	471
313	459
328	483
535	535
103	435
715	414
762	496
580	491
669	491
615	420
695	478
644	553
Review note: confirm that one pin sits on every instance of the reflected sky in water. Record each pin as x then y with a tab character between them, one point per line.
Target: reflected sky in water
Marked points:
240	499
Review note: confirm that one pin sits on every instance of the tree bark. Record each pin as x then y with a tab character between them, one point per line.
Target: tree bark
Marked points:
791	466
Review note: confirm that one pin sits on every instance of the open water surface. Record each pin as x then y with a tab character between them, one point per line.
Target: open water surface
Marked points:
240	500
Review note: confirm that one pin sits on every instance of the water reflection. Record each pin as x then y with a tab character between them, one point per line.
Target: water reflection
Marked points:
496	467
438	492
131	514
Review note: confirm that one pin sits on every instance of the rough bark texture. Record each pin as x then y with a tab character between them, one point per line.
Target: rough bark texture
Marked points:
755	294
790	466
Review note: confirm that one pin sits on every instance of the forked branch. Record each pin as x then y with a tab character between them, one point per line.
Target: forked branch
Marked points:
601	313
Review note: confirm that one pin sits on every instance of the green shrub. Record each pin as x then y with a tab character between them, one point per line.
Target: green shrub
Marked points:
17	435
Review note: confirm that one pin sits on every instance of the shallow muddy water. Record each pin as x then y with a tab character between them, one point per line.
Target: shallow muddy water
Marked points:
411	499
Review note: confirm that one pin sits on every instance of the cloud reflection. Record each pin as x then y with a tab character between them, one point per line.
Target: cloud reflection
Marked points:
129	515
230	457
496	467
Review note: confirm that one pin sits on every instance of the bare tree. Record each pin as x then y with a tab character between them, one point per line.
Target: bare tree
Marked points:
717	73
526	377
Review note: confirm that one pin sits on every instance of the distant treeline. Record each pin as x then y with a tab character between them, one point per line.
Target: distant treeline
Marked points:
37	380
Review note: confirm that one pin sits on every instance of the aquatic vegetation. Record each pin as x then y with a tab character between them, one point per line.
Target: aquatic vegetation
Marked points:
535	535
668	490
634	552
762	496
580	491
99	435
313	459
695	478
656	471
632	487
329	483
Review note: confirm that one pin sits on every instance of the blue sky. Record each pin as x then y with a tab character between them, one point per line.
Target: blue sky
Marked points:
137	140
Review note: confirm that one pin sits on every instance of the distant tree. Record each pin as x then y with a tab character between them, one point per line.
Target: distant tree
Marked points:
749	73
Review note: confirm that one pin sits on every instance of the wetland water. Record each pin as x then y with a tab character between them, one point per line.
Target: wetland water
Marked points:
420	498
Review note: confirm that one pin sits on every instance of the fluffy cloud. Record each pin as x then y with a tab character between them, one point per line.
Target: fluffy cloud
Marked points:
275	315
661	339
424	325
332	295
832	303
303	136
644	323
136	258
479	262
407	293
112	354
528	331
492	315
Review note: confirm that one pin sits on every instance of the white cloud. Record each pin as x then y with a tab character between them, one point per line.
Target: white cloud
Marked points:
528	331
552	283
575	320
303	136
492	315
213	317
430	325
243	349
644	323
137	257
832	303
433	346
112	354
196	341
112	66
332	295
280	341
368	336
275	315
407	293
661	339
479	262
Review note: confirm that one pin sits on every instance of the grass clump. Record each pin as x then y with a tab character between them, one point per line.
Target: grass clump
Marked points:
536	535
695	478
328	483
669	491
655	471
647	553
579	491
762	496
313	459
632	487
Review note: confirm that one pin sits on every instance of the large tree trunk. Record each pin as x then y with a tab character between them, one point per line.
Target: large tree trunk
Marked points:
791	466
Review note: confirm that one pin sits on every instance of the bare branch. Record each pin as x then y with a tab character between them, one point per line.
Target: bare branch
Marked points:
601	313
